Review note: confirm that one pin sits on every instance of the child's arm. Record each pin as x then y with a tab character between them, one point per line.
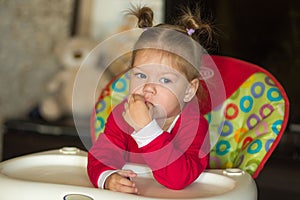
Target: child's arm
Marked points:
115	180
106	157
176	161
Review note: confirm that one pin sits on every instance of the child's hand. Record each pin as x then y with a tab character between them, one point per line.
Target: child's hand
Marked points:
120	182
137	113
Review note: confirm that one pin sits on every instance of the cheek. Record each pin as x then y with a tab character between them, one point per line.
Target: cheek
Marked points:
168	96
177	92
135	87
170	103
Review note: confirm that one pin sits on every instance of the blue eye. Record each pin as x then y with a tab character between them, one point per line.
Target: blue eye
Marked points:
165	80
140	75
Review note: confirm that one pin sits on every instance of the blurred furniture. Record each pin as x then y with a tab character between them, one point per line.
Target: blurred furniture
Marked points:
23	136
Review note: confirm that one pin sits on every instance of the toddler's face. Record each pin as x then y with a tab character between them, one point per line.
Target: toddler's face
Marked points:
161	85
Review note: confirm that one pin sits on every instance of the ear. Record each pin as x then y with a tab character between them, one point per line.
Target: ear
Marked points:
191	90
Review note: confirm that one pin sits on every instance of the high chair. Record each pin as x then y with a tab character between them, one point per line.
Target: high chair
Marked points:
247	115
251	116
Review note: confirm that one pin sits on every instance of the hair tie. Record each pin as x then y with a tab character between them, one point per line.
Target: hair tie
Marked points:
190	31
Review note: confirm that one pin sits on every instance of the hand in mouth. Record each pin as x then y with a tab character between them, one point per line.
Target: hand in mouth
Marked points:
149	104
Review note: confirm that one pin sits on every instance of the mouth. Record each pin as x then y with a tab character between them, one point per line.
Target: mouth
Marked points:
149	104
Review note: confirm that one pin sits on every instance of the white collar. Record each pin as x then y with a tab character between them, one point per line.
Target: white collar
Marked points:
173	124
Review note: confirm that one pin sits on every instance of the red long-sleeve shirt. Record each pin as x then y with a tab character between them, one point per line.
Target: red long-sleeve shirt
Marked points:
176	158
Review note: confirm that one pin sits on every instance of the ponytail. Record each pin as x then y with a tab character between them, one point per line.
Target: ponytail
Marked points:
203	30
189	23
144	16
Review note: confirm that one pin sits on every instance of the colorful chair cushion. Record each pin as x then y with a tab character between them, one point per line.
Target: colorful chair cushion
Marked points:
253	116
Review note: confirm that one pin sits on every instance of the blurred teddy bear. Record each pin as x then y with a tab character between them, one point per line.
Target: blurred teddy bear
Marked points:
70	54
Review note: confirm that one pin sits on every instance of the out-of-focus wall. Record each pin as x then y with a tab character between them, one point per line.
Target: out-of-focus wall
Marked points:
29	32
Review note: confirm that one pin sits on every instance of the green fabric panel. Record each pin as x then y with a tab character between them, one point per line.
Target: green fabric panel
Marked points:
248	123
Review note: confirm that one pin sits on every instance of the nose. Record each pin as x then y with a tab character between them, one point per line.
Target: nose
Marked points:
149	89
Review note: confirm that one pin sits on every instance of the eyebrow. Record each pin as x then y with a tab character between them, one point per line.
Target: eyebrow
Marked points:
170	70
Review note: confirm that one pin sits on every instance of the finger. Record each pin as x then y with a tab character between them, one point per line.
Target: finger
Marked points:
127	173
125	106
137	97
149	105
126	182
126	189
150	108
130	99
116	182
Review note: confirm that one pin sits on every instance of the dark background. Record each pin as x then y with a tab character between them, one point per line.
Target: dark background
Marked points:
264	32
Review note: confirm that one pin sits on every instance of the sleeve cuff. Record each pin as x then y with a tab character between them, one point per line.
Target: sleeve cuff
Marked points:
147	134
102	178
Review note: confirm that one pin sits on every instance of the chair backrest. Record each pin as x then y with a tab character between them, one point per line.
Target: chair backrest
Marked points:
255	111
253	118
